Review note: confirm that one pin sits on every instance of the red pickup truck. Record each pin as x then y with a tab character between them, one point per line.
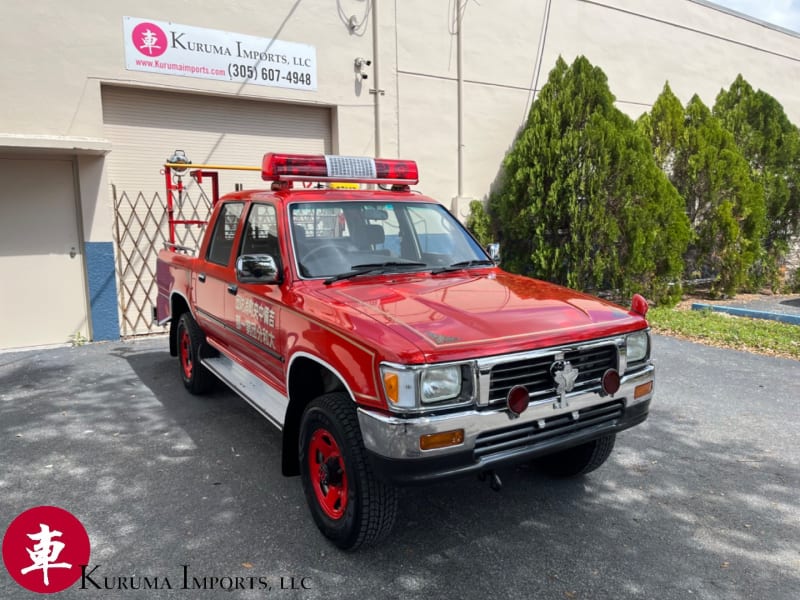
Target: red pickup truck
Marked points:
388	346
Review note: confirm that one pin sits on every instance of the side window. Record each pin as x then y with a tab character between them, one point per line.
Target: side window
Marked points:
219	250
434	232
260	234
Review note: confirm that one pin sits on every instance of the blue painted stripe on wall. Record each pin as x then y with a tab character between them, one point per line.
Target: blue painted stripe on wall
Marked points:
102	290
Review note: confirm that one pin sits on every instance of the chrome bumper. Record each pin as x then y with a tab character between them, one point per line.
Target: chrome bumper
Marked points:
397	438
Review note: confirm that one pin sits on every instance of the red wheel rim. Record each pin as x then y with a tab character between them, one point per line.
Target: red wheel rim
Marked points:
186	354
327	472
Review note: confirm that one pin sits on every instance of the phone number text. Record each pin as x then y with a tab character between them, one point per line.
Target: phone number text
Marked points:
267	74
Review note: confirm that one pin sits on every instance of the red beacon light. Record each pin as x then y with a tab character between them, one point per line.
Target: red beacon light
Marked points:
361	169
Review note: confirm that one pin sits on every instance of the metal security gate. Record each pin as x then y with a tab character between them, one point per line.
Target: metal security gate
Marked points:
145	128
140	231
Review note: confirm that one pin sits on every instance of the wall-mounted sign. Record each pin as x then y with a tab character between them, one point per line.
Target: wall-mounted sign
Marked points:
172	49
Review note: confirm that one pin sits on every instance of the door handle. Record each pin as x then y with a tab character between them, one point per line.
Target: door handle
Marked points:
201	277
233	289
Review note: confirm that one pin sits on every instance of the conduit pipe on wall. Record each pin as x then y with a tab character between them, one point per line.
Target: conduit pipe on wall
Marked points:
376	72
460	93
539	56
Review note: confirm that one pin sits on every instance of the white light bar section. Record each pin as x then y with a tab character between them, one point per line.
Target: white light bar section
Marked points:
350	167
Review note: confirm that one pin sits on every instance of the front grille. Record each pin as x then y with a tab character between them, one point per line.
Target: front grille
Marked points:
528	435
534	373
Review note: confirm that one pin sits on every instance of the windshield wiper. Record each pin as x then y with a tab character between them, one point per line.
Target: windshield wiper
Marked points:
464	264
366	268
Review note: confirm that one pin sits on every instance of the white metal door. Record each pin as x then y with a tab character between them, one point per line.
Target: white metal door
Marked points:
43	290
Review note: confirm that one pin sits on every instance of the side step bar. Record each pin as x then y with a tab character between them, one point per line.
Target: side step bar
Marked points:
265	399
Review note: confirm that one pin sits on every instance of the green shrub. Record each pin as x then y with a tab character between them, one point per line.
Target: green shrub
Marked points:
725	206
582	201
771	145
479	223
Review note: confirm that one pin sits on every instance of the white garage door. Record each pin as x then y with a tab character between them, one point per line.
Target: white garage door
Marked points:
145	128
43	292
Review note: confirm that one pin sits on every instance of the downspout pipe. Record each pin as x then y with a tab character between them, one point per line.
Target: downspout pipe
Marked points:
460	92
376	72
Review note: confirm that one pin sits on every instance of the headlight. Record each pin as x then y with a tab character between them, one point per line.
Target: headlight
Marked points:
638	344
440	383
411	388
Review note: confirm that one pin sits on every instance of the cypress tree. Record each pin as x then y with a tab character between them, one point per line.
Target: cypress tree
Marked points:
581	201
724	205
771	145
664	127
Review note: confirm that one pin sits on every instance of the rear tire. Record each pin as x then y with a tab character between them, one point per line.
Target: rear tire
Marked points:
191	345
578	460
349	504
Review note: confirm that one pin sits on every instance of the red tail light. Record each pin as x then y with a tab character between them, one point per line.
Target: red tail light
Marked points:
306	167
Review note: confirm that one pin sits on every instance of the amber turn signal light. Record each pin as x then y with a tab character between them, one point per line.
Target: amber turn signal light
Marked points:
391	382
642	390
432	441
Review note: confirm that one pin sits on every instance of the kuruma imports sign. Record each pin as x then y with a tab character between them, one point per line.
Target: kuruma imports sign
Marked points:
183	50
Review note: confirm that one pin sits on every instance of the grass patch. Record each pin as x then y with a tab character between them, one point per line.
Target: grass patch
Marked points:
718	329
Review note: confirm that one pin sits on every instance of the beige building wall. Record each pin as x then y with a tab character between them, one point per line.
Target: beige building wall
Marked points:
66	51
60	54
509	49
699	49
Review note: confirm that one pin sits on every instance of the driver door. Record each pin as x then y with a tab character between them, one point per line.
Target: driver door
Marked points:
255	312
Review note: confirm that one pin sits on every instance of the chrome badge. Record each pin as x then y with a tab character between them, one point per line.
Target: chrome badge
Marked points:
564	375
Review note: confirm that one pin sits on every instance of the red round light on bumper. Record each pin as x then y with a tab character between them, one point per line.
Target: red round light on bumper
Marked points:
610	382
518	400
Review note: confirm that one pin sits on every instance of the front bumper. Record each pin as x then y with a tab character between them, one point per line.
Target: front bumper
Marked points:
493	437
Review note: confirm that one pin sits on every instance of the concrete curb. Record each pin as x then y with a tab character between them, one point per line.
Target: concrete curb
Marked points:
746	312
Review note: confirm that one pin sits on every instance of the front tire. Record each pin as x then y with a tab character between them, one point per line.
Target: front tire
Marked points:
349	504
580	459
191	343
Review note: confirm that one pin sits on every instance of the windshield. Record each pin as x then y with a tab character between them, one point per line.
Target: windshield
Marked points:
335	238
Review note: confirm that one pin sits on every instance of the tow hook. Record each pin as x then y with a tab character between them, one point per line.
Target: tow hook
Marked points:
494	480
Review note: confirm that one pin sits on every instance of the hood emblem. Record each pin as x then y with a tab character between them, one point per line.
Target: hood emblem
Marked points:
564	375
441	339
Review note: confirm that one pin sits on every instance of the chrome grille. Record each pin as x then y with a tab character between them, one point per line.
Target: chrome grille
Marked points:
531	434
534	373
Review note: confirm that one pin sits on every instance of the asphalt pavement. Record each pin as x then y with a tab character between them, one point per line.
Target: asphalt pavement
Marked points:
702	501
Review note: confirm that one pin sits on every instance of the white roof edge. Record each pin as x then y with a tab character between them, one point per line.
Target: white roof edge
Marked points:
740	15
77	144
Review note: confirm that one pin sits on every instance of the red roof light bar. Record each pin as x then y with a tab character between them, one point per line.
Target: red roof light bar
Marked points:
361	169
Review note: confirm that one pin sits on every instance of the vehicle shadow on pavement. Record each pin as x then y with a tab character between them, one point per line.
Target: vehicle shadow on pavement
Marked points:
666	514
161	479
795	302
722	519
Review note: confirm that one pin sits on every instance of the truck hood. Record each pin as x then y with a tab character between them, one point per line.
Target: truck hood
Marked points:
489	311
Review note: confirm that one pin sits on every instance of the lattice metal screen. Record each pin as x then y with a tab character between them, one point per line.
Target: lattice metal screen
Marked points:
140	230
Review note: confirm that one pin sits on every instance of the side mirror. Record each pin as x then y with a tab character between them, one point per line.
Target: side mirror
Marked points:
257	268
494	251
